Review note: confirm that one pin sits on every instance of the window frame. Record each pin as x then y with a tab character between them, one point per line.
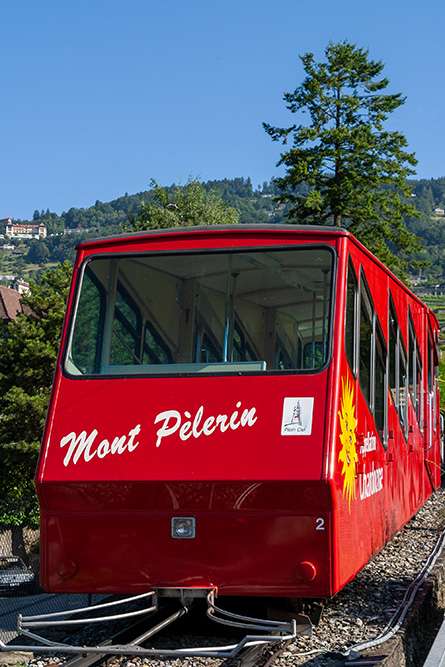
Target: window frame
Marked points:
351	273
415	371
366	310
378	334
399	350
67	369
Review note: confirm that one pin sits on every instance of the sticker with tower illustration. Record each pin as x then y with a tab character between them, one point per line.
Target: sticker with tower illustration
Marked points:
297	416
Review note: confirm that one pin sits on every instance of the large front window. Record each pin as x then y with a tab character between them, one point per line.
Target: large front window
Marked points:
203	312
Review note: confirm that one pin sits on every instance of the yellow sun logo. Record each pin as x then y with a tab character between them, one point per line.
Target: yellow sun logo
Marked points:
348	452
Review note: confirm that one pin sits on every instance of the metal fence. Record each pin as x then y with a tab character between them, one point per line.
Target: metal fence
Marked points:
19	557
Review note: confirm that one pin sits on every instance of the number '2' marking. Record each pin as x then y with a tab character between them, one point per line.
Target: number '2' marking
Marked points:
320	523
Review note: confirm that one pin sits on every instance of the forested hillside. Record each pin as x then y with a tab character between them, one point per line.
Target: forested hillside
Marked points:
430	226
255	203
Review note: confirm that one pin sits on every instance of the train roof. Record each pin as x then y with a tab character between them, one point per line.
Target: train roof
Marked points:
320	229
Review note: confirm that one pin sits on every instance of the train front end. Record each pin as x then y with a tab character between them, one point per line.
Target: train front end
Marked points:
185	443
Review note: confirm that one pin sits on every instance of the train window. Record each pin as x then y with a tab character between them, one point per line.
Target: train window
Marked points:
207	351
126	331
414	371
351	317
430	363
393	353
86	341
313	355
433	369
283	360
411	358
155	350
398	373
380	384
194	312
372	360
418	390
402	387
242	349
365	344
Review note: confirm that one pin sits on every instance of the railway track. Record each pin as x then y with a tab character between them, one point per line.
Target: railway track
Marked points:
136	635
249	657
127	636
132	641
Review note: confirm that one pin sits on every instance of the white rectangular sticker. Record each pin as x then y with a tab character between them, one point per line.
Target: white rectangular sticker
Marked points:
297	416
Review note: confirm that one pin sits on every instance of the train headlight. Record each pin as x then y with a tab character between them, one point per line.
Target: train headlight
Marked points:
183	527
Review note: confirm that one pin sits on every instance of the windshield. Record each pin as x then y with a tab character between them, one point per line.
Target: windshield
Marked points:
203	312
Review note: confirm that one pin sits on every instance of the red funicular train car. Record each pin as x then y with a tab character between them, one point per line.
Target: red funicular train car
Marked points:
250	409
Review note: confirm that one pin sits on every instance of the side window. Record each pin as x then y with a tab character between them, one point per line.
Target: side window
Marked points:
398	375
351	317
430	364
373	361
207	350
126	332
313	355
242	349
380	384
419	384
403	386
132	341
436	381
433	368
87	340
414	371
411	359
366	337
155	350
393	336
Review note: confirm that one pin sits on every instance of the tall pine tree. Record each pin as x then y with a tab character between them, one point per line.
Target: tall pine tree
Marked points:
355	169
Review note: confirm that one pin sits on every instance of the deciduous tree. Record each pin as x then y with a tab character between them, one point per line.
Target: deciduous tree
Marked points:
185	206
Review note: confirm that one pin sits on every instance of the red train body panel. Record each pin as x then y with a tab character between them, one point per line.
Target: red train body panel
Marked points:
275	387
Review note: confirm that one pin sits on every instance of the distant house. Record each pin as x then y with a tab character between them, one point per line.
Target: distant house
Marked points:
21	286
76	230
439	211
11	304
24	230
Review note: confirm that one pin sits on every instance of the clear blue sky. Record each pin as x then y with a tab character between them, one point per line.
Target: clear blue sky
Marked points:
100	96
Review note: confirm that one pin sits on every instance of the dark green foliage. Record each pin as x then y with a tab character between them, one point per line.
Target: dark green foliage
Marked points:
28	352
38	252
255	206
427	196
355	169
185	206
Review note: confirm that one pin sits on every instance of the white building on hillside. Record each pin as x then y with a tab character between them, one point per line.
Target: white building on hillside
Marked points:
24	230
